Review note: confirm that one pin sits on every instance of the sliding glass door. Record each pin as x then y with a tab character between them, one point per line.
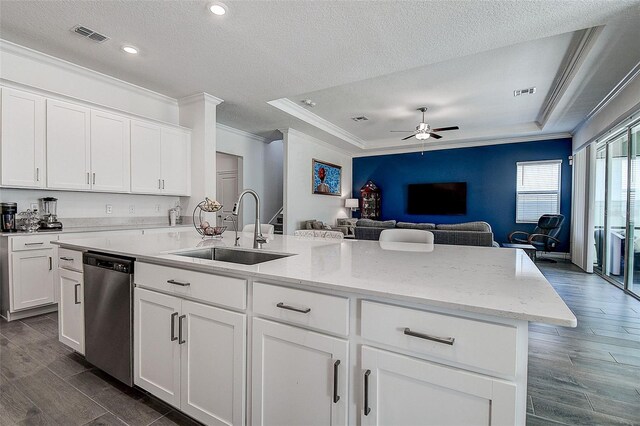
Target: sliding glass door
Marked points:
633	283
599	208
616	222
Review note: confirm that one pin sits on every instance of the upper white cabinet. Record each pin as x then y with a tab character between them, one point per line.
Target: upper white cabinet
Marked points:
110	152
68	146
47	143
22	145
160	159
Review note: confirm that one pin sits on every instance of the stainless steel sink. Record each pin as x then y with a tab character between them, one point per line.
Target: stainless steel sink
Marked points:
245	257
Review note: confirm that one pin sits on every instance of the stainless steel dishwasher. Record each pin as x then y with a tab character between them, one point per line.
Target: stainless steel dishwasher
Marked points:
108	314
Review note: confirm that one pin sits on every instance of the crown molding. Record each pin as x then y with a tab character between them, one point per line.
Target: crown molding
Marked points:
241	133
297	111
199	97
291	131
578	51
43	58
460	144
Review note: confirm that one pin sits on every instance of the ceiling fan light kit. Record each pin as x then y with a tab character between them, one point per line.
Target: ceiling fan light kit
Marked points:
424	131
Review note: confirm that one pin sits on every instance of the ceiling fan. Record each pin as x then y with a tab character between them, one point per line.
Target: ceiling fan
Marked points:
424	131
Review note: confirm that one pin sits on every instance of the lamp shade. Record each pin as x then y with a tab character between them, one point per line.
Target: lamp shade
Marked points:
351	203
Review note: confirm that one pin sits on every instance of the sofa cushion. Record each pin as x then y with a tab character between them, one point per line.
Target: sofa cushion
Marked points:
468	226
411	225
370	223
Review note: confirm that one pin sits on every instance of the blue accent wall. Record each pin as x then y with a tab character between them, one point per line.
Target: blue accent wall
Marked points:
490	173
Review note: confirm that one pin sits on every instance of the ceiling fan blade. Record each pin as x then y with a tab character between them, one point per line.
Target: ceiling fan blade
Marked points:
408	137
401	131
435	136
444	129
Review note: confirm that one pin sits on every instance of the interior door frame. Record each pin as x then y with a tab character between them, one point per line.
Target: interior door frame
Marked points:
240	175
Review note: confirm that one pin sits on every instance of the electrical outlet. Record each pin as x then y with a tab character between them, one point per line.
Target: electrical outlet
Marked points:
157	208
132	209
109	209
33	206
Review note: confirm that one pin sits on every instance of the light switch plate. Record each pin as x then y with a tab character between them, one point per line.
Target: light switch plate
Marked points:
109	209
132	209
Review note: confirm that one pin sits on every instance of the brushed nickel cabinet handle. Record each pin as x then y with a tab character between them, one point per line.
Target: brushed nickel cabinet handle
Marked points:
68	259
180	340
367	409
336	397
162	183
75	294
34	244
37	174
183	284
94	178
159	184
88	178
173	326
445	340
50	263
291	308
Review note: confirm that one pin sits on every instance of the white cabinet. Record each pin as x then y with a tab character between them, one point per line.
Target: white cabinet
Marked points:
110	152
145	158
299	377
22	143
160	159
71	309
400	390
190	355
68	146
32	279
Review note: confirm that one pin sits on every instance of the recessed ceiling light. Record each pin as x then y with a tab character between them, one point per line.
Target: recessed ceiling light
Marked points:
130	49
218	8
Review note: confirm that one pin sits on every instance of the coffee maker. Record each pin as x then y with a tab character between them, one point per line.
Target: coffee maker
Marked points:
8	218
49	219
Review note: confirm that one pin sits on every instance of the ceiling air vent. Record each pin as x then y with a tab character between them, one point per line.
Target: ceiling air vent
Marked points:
527	91
361	118
89	33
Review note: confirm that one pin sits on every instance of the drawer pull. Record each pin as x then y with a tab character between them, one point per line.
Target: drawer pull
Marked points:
445	340
68	259
50	263
180	318
75	294
367	409
281	305
173	326
34	244
183	284
336	397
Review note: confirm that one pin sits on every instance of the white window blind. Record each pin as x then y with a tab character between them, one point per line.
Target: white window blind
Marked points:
538	189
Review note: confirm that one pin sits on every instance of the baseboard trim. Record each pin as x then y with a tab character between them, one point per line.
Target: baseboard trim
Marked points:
30	312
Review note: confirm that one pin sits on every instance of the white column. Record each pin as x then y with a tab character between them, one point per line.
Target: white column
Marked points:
198	112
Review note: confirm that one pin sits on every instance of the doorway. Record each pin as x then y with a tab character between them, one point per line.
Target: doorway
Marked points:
228	184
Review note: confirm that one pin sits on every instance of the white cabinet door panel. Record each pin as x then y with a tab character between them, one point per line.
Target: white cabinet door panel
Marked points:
22	147
176	161
213	364
71	309
400	390
293	376
68	146
156	350
32	279
110	152
145	158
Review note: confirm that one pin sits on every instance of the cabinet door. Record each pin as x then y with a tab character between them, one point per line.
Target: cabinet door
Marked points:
32	279
213	359
68	146
110	152
399	390
71	310
145	158
156	350
296	376
176	161
22	139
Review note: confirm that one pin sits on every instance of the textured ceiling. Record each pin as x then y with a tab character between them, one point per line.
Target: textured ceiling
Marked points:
265	50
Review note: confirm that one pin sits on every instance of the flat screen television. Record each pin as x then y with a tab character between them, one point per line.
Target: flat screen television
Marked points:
437	198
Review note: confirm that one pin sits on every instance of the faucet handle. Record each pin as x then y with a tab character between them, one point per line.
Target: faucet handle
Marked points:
260	239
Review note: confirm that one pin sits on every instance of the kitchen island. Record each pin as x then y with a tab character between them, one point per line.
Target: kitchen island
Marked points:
336	332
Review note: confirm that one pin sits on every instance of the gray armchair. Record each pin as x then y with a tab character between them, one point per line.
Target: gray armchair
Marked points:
545	235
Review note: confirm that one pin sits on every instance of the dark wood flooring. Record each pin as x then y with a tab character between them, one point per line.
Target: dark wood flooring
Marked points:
589	375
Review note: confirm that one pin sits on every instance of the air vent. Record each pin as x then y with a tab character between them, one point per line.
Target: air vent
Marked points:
361	118
89	33
527	91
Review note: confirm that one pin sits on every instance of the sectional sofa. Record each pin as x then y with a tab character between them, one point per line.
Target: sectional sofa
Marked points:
468	234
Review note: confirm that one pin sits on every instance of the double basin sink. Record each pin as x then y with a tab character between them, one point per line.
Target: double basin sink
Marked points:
223	254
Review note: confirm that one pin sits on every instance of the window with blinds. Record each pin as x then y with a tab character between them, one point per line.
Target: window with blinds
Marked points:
538	190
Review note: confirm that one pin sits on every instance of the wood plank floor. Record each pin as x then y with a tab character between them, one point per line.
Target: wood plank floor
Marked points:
589	375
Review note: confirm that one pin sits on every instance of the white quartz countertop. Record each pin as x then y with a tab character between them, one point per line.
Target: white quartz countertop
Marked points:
83	229
491	281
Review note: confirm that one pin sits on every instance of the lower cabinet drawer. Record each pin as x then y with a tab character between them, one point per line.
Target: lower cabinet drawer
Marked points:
33	242
316	310
217	289
477	344
70	259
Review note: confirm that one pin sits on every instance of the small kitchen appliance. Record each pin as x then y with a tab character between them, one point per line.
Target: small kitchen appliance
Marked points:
49	219
8	218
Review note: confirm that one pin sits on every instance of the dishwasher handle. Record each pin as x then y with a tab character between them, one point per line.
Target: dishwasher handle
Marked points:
111	263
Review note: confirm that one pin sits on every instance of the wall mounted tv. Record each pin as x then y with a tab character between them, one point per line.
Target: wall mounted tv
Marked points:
437	198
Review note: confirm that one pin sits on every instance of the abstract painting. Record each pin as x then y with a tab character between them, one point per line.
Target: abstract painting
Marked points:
326	178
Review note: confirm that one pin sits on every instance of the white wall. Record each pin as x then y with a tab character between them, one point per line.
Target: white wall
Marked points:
300	203
93	205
